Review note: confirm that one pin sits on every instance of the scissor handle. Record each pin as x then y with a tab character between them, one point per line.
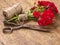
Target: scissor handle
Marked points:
7	30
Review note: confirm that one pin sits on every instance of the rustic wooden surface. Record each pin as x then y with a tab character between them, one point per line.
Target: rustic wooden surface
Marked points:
26	36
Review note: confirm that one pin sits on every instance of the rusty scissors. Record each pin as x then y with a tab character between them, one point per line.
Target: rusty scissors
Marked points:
26	26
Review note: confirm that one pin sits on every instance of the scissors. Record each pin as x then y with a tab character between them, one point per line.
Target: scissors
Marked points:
10	29
26	26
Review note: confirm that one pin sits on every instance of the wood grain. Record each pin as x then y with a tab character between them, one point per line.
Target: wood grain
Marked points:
26	36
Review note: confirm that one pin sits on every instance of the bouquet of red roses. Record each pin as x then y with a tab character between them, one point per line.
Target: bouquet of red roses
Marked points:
45	12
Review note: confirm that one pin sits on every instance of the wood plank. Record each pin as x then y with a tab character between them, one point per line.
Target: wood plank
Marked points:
26	36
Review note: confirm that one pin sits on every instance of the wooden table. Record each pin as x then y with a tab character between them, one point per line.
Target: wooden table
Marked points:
26	36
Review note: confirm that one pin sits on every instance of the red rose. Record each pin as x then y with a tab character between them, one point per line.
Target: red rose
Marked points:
44	3
45	21
42	22
53	7
36	14
33	8
50	5
48	13
46	18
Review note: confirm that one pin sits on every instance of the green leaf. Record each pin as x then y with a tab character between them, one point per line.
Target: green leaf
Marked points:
14	18
30	16
40	9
